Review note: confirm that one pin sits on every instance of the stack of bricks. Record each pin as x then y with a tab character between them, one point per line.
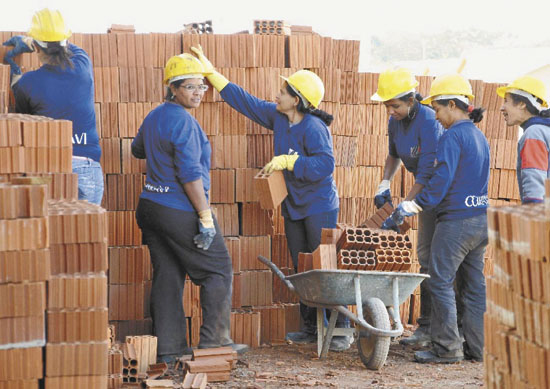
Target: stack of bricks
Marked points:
4	88
24	270
34	144
215	362
198	28
128	72
517	342
77	348
271	27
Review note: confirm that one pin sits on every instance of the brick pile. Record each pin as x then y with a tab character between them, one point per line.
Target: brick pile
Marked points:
24	271
128	70
517	341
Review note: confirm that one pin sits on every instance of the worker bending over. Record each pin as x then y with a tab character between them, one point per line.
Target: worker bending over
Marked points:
413	133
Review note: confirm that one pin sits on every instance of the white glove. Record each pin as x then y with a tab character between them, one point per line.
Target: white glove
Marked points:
410	208
384	185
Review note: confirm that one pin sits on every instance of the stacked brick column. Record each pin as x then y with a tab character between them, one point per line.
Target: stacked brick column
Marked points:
24	270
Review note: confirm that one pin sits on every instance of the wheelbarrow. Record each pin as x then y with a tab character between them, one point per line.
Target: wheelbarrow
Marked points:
376	294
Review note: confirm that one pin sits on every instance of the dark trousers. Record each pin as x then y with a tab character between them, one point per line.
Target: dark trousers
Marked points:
458	248
304	236
169	233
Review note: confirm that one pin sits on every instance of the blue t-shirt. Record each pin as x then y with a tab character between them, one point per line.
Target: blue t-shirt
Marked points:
415	142
458	187
63	94
177	152
311	187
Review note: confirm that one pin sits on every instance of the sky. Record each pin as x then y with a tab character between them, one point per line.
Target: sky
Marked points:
341	19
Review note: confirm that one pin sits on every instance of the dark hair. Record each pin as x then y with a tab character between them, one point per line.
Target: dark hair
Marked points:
476	114
57	55
324	116
169	95
545	113
406	97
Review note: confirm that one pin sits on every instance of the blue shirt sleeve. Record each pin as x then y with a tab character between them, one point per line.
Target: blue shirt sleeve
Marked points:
319	161
138	149
187	149
428	147
79	55
258	110
448	155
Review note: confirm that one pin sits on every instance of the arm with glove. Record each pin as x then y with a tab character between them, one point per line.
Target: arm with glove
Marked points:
21	44
260	111
383	193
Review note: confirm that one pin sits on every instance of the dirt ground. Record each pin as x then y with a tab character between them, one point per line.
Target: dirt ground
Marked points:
292	366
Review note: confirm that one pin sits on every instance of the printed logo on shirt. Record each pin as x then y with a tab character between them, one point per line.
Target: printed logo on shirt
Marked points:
435	162
292	152
415	151
158	189
80	140
476	201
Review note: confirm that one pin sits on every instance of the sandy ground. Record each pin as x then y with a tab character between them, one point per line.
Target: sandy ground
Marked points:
292	366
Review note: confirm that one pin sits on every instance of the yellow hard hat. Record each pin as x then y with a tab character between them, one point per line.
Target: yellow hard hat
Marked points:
529	84
49	26
450	86
308	85
182	66
394	83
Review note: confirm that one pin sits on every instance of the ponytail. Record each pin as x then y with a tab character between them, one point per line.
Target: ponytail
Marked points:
57	55
477	114
326	117
545	113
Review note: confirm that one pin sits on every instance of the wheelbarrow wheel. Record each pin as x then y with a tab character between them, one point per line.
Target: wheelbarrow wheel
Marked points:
373	349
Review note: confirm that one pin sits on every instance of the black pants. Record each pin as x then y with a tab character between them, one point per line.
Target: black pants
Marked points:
169	234
304	236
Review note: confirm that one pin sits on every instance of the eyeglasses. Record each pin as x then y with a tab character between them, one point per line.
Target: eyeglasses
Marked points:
193	88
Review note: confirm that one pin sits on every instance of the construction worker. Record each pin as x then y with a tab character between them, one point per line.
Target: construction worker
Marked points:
303	151
525	104
457	191
413	134
62	88
176	220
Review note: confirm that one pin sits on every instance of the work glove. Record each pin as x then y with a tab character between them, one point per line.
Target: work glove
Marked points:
21	44
383	194
207	230
217	80
403	210
281	162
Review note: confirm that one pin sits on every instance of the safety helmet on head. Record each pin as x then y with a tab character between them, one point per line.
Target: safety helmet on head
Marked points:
529	87
182	66
394	83
450	86
49	26
308	86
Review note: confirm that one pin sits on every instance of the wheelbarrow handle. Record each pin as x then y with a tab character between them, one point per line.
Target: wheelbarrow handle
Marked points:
276	270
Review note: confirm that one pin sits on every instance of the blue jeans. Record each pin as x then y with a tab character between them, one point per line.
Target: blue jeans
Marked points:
90	180
458	247
304	236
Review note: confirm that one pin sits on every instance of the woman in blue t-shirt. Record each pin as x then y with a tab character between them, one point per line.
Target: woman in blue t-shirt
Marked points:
175	217
413	133
303	151
62	88
457	191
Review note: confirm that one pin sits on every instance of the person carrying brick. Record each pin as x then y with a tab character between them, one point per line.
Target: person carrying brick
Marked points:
304	152
458	192
175	218
413	133
62	88
525	104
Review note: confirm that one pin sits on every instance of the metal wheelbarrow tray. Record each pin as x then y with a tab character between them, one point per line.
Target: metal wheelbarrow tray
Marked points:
376	294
